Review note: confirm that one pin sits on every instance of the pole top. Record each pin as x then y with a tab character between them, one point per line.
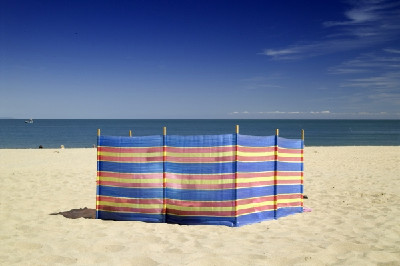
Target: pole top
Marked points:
302	134
277	132
130	133
164	131
98	132
237	129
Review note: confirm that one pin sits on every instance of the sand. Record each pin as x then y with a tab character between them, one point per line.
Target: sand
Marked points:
354	194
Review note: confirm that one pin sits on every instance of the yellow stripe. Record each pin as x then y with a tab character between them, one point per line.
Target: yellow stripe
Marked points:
251	154
288	200
255	205
296	155
131	205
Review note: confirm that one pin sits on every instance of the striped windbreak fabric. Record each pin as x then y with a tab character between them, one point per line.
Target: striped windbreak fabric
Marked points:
227	179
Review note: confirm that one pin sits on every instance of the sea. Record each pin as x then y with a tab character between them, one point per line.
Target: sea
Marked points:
82	133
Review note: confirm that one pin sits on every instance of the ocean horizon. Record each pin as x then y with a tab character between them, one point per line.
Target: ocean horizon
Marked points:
82	133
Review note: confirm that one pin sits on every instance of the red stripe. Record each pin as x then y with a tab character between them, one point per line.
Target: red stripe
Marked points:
256	149
281	182
200	149
130	176
130	159
130	200
289	159
256	209
268	183
288	173
256	184
290	196
256	158
201	159
128	209
200	177
130	149
281	150
119	184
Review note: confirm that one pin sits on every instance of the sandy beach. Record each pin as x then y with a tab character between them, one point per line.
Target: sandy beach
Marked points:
354	194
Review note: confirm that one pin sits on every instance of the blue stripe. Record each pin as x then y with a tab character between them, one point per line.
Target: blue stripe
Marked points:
289	189
122	216
131	167
200	140
290	143
201	220
256	141
245	193
244	167
282	212
229	194
142	193
200	195
146	141
200	168
292	166
255	217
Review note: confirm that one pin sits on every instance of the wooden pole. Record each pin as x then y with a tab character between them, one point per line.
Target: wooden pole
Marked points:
276	158
98	175
236	174
302	169
164	174
130	133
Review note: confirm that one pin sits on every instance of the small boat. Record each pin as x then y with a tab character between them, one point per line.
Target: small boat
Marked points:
30	121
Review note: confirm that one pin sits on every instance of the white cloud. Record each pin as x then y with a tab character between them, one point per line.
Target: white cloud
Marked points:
394	51
282	112
317	114
377	74
376	62
367	24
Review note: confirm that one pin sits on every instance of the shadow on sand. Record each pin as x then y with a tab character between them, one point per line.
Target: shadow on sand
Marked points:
78	213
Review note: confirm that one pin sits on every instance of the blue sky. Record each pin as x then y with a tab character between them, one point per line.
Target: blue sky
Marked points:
200	59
